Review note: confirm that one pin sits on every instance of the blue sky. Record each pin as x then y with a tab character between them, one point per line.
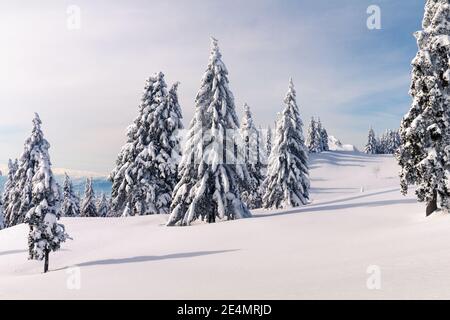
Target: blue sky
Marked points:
86	83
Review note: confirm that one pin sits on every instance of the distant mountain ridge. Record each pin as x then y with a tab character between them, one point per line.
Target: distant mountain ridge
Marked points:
100	184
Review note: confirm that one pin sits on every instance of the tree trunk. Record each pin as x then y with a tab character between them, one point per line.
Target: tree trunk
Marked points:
432	205
46	261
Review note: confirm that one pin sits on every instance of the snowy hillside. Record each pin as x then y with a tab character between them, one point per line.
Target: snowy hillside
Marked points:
357	219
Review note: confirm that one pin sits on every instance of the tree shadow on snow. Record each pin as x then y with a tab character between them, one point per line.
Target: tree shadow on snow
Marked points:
333	190
360	196
5	253
344	159
139	259
340	207
331	205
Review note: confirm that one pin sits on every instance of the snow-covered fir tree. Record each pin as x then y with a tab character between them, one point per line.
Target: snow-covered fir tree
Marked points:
146	168
254	158
46	234
20	195
268	141
71	202
103	206
394	141
382	143
323	136
372	143
314	137
8	188
88	207
211	174
287	183
425	150
389	142
310	136
2	220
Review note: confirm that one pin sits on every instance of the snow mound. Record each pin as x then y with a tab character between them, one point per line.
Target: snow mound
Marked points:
335	144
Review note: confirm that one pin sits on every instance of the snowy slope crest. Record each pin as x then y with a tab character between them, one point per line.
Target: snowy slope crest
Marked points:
335	144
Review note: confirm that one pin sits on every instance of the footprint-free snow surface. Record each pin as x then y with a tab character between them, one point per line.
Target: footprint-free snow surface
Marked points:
358	230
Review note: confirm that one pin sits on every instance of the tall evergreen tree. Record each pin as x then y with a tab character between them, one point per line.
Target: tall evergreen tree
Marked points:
146	168
46	234
2	220
372	144
88	207
269	141
311	136
287	183
20	195
425	133
210	173
71	202
395	141
8	188
254	158
323	137
103	206
318	136
314	137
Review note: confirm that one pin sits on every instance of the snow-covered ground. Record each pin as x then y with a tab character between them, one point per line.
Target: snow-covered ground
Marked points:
357	219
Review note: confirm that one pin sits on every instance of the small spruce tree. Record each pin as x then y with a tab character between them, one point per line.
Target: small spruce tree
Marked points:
103	206
287	183
372	143
46	234
71	202
88	207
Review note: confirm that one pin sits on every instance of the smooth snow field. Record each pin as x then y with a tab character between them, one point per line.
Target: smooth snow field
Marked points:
358	232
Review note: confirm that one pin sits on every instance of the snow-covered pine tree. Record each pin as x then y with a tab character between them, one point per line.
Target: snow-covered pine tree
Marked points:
262	149
88	207
392	141
372	143
310	137
314	137
103	206
381	144
396	141
269	141
2	220
253	158
211	173
71	202
46	234
146	168
287	183
8	188
323	137
318	136
425	150
20	195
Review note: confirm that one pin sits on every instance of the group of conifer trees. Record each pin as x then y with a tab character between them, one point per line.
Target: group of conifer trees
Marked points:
225	169
387	143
